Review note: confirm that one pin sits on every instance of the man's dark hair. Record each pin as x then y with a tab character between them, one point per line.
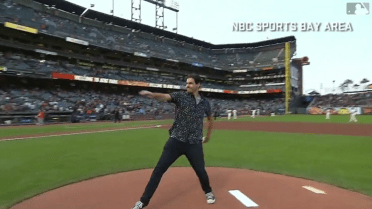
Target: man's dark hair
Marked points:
196	78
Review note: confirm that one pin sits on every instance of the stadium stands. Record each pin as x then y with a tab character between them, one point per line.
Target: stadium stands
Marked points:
129	40
16	98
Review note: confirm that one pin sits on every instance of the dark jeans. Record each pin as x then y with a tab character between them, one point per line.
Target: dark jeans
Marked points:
173	149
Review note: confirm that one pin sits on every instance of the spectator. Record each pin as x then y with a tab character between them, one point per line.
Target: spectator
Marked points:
40	117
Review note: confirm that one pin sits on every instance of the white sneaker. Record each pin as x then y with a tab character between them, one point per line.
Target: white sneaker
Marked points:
210	198
139	205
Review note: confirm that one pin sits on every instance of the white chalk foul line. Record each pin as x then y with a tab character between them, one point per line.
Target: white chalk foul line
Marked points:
243	198
315	190
85	132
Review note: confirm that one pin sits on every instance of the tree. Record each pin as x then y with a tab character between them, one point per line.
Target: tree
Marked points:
363	83
345	84
343	87
314	93
365	80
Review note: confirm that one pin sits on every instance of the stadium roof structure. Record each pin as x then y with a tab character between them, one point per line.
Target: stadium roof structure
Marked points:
91	14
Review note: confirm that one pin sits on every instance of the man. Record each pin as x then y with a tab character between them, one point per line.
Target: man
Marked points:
328	113
228	114
40	117
235	115
352	117
117	115
253	113
360	11
186	137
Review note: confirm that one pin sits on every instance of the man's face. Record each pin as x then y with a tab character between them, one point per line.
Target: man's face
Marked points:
191	86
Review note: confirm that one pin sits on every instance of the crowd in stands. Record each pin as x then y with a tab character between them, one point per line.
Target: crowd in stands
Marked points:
343	100
131	41
22	63
26	64
20	99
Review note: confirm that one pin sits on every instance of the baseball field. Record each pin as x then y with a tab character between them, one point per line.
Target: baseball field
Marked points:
37	159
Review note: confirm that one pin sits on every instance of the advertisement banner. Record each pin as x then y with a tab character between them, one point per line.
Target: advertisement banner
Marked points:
133	83
77	41
45	52
103	80
317	111
20	27
83	78
140	54
230	92
113	81
343	111
56	75
367	110
156	85
334	110
240	71
267	68
24	120
126	117
217	90
253	92
205	89
274	91
168	86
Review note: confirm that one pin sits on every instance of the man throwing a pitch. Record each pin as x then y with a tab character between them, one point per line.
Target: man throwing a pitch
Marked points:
185	137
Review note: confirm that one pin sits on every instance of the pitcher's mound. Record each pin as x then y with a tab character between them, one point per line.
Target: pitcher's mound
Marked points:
180	189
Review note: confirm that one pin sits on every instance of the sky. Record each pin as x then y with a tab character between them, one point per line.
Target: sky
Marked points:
334	55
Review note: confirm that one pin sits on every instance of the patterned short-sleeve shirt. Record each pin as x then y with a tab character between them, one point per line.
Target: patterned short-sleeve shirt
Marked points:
189	117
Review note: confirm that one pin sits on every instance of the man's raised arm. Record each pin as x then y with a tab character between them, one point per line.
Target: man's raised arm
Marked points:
158	96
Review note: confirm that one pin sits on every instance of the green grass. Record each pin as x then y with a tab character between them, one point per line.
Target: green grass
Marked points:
362	119
17	131
30	167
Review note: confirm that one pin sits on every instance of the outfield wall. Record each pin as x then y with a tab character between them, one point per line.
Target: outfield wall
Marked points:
29	118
